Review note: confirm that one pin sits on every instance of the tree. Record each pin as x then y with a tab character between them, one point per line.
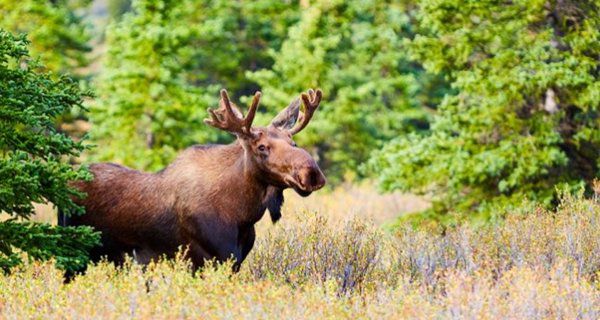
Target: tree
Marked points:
234	37
33	167
354	51
524	120
56	28
147	109
165	63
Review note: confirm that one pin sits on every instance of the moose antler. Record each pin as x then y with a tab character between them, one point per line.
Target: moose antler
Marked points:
229	118
311	102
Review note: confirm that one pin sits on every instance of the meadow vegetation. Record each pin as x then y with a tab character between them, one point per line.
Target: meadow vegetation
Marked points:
533	265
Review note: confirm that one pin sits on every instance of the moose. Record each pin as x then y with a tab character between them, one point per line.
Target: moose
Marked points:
209	198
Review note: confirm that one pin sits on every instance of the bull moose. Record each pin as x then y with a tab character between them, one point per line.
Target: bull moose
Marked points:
210	197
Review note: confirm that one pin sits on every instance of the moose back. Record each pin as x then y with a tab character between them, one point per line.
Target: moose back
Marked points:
210	197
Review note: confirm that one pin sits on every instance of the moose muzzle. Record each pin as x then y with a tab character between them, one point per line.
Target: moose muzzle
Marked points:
309	178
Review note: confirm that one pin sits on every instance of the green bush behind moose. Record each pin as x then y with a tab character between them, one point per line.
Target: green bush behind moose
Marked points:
33	160
524	120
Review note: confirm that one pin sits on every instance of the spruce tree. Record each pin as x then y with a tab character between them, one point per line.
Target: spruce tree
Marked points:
235	37
34	160
147	108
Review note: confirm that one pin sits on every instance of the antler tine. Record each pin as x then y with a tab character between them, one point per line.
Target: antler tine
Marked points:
311	101
225	101
228	119
252	111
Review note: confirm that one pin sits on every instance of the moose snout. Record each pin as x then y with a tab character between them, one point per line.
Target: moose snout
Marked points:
311	178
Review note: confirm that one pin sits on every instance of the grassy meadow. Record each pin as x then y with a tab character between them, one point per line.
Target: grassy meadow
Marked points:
328	264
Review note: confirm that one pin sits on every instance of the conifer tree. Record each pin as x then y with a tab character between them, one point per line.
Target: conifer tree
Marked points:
235	37
147	109
34	163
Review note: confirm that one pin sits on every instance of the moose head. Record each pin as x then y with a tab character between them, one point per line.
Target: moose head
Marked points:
271	149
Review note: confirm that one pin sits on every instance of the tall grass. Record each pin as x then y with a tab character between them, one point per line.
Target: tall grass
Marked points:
534	265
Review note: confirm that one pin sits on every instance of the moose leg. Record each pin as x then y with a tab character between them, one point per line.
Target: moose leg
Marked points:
111	248
213	240
227	247
145	255
247	242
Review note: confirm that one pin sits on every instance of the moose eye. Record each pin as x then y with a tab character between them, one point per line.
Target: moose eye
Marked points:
262	148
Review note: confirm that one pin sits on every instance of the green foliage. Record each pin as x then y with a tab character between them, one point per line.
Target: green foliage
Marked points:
68	246
55	28
354	51
147	110
166	61
234	37
32	155
32	150
116	8
525	117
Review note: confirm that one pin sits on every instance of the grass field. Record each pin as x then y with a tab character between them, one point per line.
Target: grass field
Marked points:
319	262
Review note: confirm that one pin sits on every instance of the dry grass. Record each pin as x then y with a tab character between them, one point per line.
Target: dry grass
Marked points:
43	213
355	200
534	266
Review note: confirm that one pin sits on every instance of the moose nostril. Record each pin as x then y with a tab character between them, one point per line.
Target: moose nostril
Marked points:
314	179
320	179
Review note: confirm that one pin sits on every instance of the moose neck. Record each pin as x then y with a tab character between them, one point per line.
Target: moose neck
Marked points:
244	183
226	175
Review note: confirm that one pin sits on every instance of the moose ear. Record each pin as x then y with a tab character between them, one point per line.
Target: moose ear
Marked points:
286	119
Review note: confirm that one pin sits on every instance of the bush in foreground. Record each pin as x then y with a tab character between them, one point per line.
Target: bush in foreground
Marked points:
538	265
